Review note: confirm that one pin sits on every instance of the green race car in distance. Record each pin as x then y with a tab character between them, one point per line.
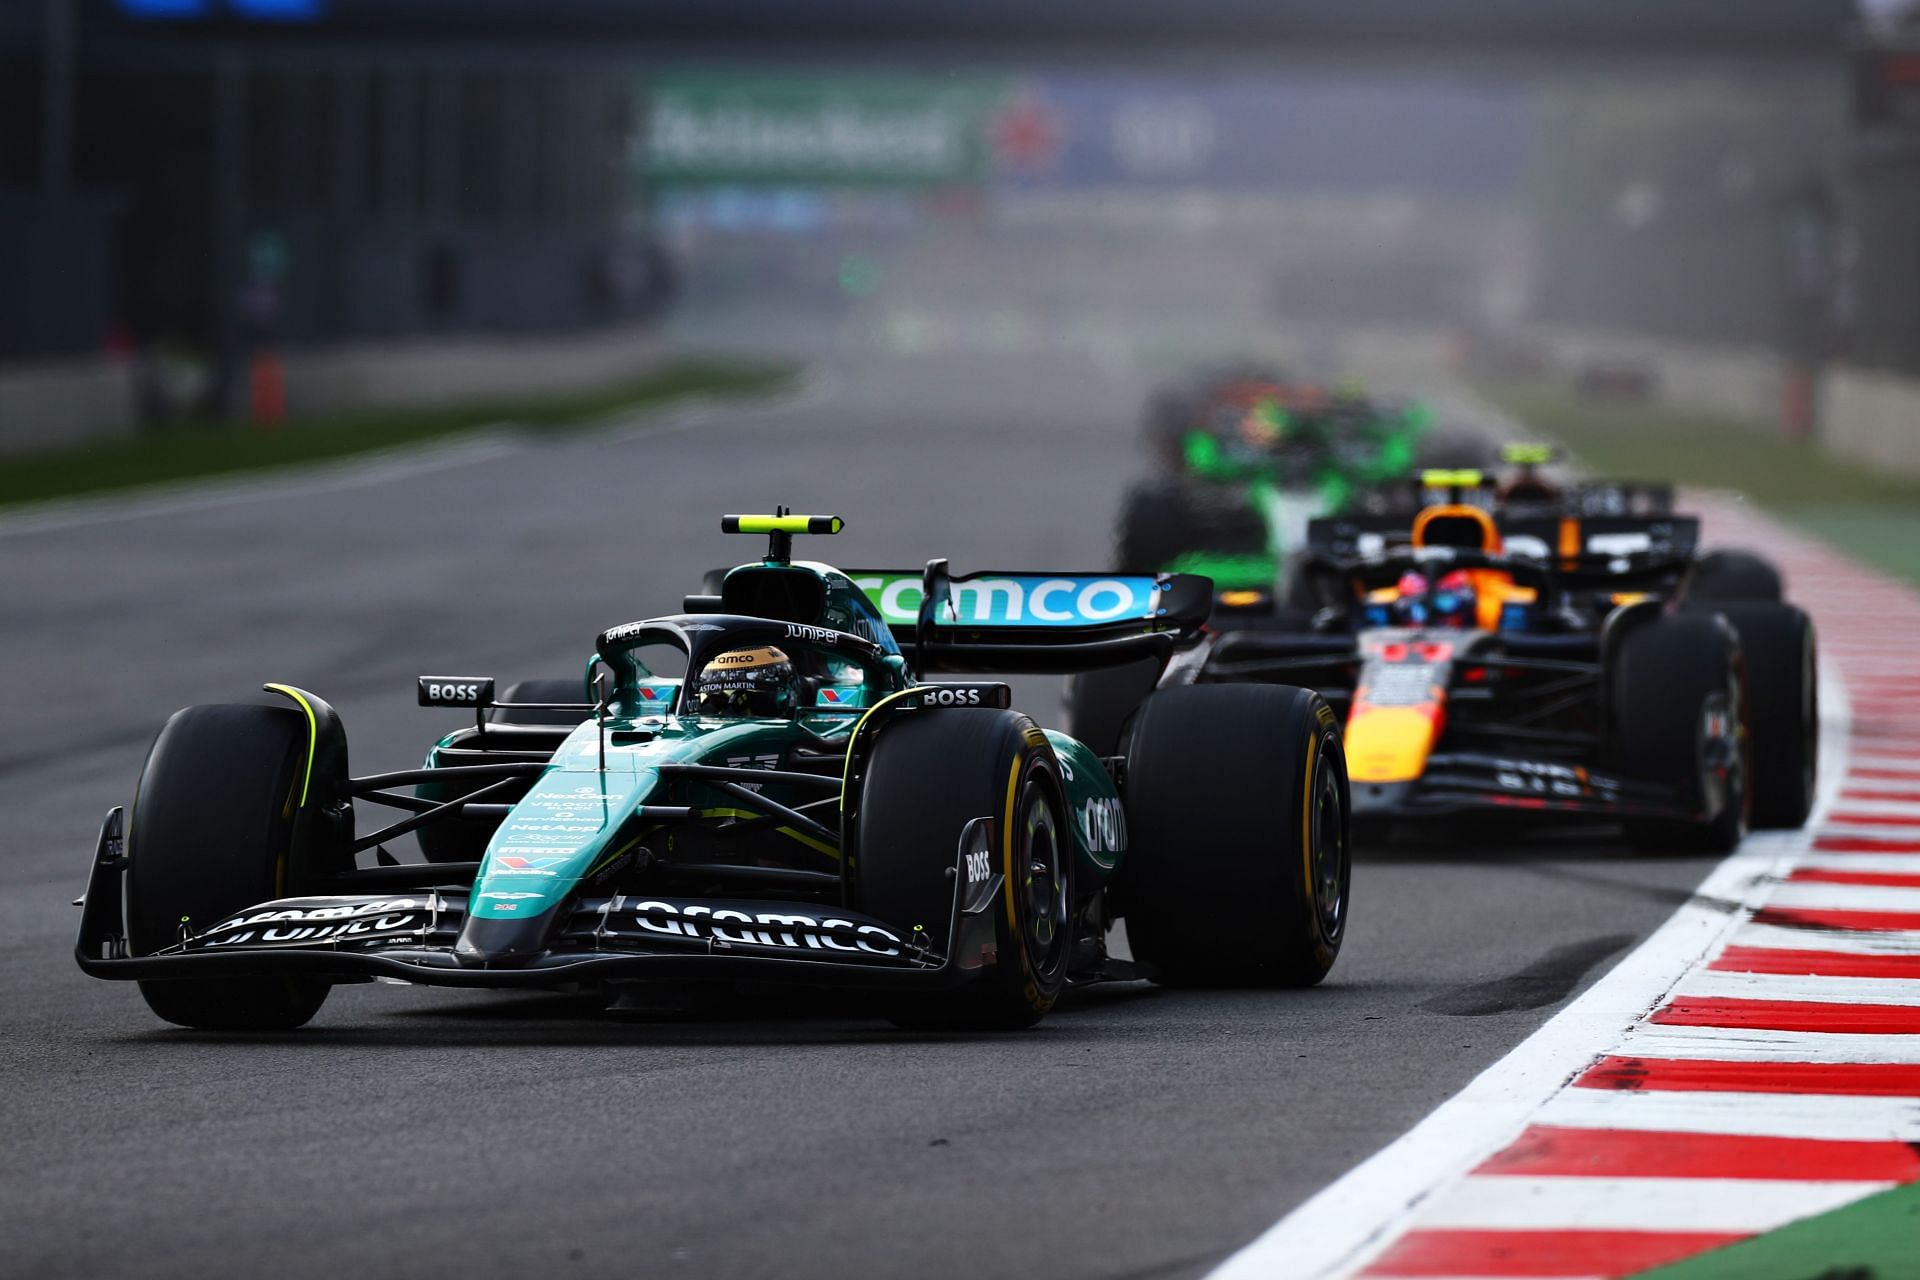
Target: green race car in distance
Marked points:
760	787
1245	461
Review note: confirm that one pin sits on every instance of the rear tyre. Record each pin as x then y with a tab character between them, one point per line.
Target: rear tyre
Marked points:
931	774
1156	523
1099	703
210	835
1778	646
1733	576
1238	867
1679	716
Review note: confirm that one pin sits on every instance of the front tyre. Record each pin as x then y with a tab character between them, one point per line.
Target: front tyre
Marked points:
1238	868
929	775
210	835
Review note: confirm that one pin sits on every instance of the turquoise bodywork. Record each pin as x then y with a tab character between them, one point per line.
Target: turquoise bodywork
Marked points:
581	821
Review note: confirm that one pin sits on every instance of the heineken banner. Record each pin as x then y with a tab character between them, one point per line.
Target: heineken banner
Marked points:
808	130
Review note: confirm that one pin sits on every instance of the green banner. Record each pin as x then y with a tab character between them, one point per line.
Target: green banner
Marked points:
813	130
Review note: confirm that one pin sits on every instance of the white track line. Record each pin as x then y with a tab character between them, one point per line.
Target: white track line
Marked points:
1812	895
1758	1115
1892	942
1741	1044
1336	1230
1713	984
1872	863
1634	1204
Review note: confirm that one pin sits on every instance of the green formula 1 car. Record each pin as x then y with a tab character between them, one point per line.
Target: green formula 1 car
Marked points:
760	787
1244	461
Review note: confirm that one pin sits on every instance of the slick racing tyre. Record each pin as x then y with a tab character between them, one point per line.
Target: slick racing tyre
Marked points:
211	834
1238	869
1099	703
929	775
1733	576
1783	709
1156	525
1168	417
1678	716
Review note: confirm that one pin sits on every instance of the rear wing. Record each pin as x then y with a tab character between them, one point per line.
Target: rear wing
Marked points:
1591	543
1035	622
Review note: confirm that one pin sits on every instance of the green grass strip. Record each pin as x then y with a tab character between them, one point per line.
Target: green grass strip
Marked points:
1872	515
1877	1238
190	451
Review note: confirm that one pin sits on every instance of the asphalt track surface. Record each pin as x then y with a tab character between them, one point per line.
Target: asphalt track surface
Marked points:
1137	1132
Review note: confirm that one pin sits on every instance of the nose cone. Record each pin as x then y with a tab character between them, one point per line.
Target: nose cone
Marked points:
487	943
1379	799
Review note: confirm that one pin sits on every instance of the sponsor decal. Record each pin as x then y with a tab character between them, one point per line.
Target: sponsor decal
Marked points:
625	631
979	866
1019	599
799	631
521	866
1539	778
763	928
322	924
1104	824
850	696
1400	684
509	895
957	696
455	691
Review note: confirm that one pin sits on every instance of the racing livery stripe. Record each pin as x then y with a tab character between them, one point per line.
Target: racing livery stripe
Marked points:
1742	1070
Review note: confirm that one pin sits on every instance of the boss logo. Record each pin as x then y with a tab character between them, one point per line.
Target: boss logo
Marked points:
979	866
456	691
966	695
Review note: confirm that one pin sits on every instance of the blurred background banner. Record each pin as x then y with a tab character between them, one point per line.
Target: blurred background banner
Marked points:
186	184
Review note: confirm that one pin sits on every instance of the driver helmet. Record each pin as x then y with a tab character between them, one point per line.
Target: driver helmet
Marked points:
1411	605
756	682
1453	600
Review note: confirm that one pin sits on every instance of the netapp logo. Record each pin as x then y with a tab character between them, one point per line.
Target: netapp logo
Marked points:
764	928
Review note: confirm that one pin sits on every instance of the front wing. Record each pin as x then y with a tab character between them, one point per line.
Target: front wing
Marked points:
1456	782
413	936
